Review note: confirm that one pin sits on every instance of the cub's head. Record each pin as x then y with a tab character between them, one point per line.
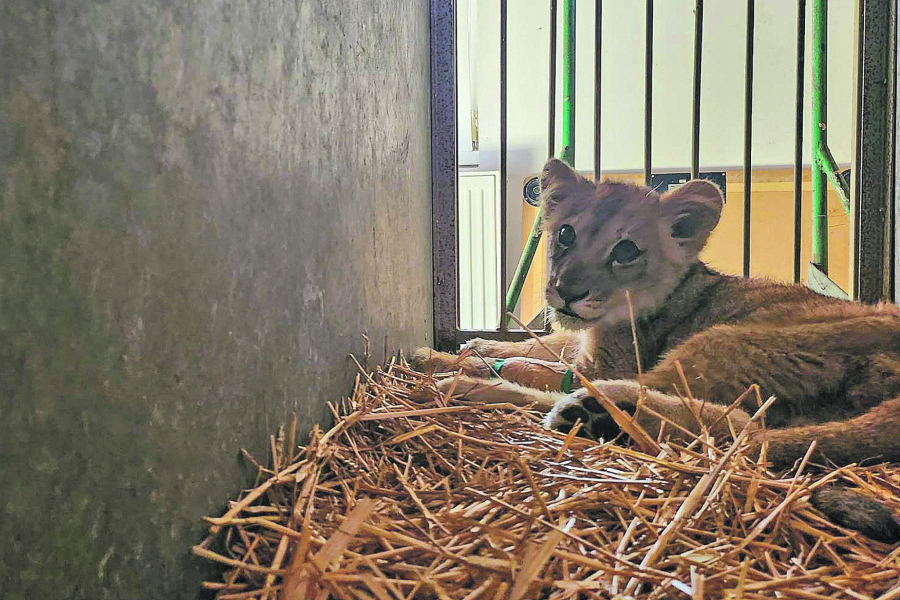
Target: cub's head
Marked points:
610	237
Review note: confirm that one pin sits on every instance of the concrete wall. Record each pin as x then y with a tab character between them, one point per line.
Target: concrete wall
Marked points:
203	205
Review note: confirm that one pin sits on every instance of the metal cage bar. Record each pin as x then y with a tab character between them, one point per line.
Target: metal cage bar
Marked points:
798	137
534	236
819	136
511	300
823	167
551	101
874	168
504	88
568	107
445	251
695	113
748	130
895	156
648	94
598	63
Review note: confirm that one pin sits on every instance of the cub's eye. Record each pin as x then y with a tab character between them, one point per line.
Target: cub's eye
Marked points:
625	252
566	235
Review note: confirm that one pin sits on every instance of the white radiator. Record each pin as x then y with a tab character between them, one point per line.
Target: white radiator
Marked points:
479	251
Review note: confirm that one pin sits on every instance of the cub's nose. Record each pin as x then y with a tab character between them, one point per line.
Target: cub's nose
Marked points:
570	294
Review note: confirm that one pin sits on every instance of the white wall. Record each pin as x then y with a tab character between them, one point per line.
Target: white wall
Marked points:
721	139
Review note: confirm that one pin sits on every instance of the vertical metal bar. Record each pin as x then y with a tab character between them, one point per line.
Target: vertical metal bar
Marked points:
648	94
444	173
551	125
895	185
598	51
568	143
698	61
819	135
890	283
748	131
503	160
568	78
873	204
511	300
798	136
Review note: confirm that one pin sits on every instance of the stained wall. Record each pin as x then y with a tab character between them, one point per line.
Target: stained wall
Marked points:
203	206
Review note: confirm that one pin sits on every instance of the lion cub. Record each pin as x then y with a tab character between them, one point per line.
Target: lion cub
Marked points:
833	365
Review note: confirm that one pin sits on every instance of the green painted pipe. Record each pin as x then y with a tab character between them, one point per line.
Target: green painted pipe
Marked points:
567	153
819	135
833	172
568	84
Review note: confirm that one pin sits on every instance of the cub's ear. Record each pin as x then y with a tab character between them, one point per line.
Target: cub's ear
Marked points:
558	180
693	211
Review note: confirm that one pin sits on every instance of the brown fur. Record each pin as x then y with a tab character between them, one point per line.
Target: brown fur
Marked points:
833	365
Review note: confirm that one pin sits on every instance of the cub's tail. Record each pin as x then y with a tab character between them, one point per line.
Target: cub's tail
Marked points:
860	513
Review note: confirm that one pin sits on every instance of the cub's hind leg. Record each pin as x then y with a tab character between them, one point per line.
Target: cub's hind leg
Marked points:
498	391
871	436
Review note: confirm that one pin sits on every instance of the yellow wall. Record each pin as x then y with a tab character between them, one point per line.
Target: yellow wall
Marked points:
532	298
771	233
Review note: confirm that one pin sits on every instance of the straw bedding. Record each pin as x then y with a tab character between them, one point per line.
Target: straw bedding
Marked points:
437	499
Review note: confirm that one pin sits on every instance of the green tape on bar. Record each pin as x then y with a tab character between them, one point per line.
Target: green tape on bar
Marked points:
498	364
566	386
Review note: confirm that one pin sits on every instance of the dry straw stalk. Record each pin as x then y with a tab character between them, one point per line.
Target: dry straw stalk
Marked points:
401	500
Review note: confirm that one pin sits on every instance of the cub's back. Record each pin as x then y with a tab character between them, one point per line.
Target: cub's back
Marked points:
822	357
710	298
711	318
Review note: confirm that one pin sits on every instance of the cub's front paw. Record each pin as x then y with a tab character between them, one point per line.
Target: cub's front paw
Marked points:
462	386
597	424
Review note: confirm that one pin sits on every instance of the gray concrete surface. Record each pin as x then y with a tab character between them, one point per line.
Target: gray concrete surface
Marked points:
203	205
